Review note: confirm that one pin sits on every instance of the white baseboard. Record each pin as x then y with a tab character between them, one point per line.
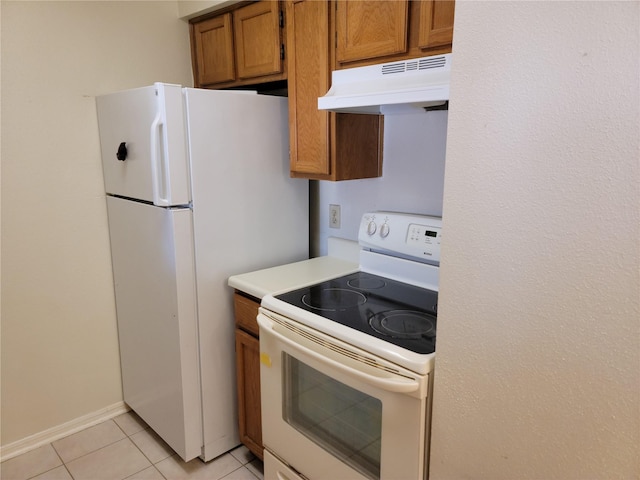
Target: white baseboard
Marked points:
52	434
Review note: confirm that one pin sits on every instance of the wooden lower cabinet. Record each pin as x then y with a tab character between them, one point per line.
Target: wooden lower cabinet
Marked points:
248	373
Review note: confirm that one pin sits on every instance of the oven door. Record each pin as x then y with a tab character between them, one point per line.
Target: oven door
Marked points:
331	410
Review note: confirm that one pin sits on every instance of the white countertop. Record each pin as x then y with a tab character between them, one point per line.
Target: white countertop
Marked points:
342	259
291	276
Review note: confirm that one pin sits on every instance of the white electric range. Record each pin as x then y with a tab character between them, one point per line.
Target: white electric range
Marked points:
347	364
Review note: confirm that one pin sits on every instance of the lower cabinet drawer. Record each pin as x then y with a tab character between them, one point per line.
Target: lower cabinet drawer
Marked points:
246	311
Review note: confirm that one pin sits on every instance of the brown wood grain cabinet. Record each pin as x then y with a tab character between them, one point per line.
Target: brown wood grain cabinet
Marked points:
436	24
212	46
323	145
258	40
244	46
369	32
248	373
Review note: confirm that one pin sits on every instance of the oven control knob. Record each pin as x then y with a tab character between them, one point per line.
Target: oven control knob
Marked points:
384	230
371	228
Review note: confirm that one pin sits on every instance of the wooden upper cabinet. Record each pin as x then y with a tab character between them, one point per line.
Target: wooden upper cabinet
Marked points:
382	31
257	37
212	44
242	46
308	78
370	29
436	23
323	145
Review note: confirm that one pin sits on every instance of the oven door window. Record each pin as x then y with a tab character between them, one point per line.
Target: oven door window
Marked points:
345	422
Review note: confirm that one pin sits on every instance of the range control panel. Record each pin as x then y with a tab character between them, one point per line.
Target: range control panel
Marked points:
402	234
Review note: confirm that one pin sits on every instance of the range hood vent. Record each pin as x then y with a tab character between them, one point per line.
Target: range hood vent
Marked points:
396	87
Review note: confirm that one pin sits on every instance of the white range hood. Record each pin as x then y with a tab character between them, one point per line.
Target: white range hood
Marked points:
388	88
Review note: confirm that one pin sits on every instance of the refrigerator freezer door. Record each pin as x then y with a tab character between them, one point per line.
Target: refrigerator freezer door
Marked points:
142	138
154	277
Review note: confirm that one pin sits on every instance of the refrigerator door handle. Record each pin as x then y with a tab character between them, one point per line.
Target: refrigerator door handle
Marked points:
159	162
121	154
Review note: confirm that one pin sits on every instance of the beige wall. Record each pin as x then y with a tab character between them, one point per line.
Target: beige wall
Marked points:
59	344
538	369
192	8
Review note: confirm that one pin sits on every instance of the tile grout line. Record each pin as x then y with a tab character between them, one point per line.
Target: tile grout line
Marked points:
63	462
97	450
242	459
128	436
93	451
143	454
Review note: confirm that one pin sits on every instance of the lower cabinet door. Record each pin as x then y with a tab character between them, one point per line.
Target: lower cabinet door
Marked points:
248	375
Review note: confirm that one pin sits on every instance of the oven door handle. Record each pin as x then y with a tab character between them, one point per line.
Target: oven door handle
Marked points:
396	385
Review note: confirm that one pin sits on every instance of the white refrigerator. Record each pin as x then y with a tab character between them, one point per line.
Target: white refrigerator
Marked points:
197	189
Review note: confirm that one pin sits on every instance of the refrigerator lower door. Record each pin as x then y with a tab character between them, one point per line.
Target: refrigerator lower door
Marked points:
154	276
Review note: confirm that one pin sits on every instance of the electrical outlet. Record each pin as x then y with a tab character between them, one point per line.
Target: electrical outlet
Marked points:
334	216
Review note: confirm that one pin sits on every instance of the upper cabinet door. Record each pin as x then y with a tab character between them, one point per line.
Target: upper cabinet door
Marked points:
382	31
436	23
213	49
309	78
370	29
258	42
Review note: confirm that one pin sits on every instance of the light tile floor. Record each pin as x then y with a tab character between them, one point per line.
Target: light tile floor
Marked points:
124	448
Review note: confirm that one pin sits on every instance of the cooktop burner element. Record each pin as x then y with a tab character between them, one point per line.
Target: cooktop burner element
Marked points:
333	299
399	313
367	283
404	324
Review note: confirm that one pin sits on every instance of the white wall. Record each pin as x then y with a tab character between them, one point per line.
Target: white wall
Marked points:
412	179
538	369
59	345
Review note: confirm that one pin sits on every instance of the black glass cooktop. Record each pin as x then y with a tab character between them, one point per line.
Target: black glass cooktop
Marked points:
396	312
